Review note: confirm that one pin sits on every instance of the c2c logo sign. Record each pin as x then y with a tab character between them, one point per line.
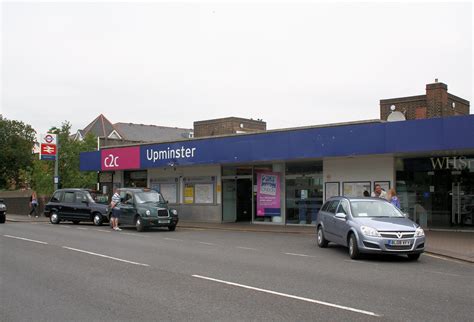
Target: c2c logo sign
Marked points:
120	158
111	161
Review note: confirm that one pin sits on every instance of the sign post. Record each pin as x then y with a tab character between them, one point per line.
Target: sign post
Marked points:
49	151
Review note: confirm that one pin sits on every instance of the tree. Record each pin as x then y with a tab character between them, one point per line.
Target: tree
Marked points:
16	142
69	173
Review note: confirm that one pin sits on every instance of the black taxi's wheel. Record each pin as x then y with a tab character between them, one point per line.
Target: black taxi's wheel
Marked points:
139	224
172	228
322	242
54	218
98	219
353	248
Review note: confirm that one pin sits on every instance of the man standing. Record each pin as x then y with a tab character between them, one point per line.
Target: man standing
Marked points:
115	212
378	192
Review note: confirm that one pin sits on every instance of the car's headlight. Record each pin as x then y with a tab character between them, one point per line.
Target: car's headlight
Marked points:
2	207
174	212
369	231
147	212
419	232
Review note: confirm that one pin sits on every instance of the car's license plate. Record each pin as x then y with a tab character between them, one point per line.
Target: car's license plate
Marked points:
399	242
163	221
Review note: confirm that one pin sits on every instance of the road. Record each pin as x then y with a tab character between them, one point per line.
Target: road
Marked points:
81	272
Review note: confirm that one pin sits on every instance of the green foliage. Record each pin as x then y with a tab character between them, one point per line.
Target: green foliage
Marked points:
69	173
16	142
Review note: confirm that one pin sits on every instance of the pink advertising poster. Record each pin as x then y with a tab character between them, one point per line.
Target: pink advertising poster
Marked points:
268	194
120	158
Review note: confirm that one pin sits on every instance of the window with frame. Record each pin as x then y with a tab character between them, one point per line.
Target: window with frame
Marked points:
199	192
69	197
332	206
57	196
343	208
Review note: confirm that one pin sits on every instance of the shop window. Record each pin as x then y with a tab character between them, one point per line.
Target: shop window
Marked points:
199	190
168	187
135	179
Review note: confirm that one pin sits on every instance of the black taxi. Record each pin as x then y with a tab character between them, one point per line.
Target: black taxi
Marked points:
145	208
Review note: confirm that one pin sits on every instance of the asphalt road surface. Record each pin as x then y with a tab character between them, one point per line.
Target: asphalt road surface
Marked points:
82	272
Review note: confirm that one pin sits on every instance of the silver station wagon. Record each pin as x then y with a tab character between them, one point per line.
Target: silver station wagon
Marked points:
368	225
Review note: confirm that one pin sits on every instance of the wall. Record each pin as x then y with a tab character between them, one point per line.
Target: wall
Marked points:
201	213
228	125
18	202
371	168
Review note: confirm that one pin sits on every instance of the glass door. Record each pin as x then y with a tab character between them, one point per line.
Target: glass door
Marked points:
462	204
229	200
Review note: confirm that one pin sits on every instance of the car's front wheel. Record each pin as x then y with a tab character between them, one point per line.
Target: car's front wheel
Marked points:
322	242
172	228
98	219
353	248
54	218
139	224
413	257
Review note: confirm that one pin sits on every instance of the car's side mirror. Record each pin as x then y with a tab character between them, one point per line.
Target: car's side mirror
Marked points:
341	215
1	200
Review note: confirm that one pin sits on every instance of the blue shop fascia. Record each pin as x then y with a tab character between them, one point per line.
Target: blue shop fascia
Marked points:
429	162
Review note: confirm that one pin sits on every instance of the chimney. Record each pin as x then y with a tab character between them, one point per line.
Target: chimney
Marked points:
437	100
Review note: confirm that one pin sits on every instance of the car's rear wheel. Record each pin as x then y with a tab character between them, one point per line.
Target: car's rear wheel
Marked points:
322	242
172	228
98	220
139	224
54	218
413	257
353	248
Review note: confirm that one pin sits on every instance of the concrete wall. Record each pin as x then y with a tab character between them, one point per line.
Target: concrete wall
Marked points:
372	168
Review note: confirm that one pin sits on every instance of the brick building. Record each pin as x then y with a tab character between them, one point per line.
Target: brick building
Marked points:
437	102
228	125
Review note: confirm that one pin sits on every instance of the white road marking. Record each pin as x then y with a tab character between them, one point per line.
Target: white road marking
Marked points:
26	239
443	273
210	244
290	296
246	248
105	256
444	258
103	230
81	228
65	226
301	255
173	239
134	234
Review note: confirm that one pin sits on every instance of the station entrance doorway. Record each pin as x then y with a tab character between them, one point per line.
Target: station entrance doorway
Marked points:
237	199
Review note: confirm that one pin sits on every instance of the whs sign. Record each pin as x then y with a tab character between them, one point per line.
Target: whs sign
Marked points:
48	146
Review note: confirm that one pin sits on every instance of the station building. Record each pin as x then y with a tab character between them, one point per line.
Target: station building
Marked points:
284	176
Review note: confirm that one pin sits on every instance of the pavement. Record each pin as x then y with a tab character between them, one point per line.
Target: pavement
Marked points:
452	244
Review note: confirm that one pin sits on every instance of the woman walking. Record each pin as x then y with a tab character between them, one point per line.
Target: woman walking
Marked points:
33	204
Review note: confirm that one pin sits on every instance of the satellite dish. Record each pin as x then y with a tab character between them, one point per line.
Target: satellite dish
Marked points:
396	116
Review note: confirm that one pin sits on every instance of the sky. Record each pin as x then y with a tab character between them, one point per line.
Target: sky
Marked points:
172	63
